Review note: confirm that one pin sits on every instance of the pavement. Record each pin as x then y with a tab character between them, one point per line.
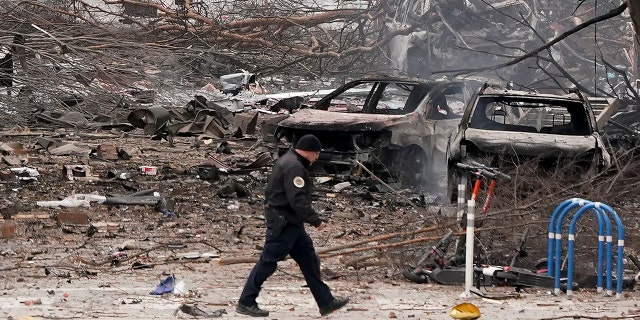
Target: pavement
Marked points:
124	294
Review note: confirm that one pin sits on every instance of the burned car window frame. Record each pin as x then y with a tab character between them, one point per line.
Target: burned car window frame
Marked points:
407	97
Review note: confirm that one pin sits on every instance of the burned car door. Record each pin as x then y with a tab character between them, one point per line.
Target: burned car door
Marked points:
440	114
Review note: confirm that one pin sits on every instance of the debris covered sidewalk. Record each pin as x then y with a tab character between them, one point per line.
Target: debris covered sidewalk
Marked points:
124	294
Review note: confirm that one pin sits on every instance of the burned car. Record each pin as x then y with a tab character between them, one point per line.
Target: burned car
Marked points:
395	127
508	127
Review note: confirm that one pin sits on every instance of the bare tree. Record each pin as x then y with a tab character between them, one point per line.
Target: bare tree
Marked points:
509	42
90	48
72	47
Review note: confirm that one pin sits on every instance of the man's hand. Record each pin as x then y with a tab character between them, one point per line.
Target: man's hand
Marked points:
321	226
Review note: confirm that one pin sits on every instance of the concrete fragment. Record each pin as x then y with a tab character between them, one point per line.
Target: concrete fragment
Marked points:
72	172
14	161
107	151
26	173
341	186
70	150
74	200
11	148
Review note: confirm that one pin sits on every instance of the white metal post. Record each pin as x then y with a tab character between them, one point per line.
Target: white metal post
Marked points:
468	263
462	186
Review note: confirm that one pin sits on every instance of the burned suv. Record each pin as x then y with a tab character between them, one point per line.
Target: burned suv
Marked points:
510	127
395	127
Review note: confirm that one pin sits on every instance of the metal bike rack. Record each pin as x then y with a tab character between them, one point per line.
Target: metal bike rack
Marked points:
603	212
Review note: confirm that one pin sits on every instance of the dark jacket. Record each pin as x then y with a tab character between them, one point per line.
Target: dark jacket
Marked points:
289	190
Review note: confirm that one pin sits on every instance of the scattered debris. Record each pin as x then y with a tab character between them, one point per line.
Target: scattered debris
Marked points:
77	172
235	82
166	286
149	170
195	311
26	173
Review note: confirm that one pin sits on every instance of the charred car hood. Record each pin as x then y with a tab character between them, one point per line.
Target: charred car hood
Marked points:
530	144
311	119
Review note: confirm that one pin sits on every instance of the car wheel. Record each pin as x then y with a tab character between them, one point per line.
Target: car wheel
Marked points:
595	168
586	166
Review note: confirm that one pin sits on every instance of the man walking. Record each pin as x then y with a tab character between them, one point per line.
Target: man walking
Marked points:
288	207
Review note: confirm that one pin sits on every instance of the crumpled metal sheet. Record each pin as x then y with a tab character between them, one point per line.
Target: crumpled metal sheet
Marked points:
213	122
45	143
74	117
153	119
206	121
235	82
222	115
70	120
70	150
211	126
219	164
199	117
262	160
246	122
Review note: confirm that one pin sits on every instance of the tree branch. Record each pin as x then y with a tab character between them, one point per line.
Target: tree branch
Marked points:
615	12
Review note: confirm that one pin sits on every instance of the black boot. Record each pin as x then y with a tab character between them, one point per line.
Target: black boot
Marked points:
334	305
253	310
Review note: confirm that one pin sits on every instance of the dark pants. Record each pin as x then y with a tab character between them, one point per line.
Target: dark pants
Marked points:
295	241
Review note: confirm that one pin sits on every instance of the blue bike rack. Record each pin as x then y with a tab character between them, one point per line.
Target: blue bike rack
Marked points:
605	239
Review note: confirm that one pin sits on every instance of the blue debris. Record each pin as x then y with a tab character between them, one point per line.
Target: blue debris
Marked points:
166	286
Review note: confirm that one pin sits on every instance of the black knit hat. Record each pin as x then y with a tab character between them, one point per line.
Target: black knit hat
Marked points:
308	142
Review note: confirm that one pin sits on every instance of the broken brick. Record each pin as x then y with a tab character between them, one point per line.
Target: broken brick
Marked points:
7	230
72	217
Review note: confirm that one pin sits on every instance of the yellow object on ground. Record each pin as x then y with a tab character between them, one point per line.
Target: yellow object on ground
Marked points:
465	311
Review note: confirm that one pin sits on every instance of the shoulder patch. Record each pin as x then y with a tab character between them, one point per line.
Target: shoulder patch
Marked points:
298	182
